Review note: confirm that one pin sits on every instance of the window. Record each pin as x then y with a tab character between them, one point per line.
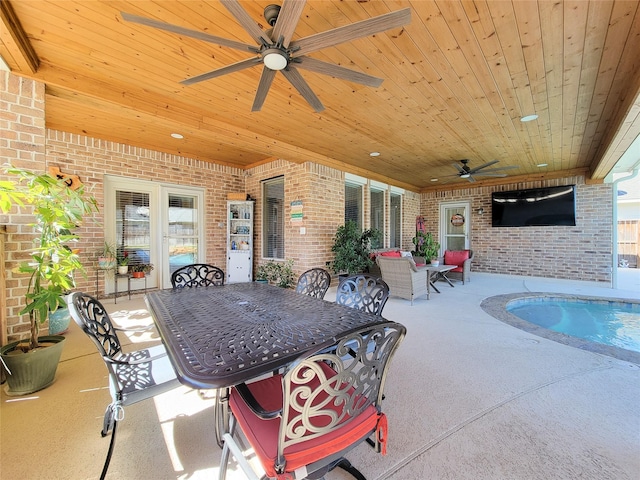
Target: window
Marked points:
353	203
377	216
273	215
395	220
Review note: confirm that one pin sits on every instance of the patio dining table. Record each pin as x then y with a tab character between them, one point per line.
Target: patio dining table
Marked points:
221	336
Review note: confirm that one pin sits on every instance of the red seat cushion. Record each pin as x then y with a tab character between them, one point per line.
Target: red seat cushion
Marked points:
263	434
456	257
391	254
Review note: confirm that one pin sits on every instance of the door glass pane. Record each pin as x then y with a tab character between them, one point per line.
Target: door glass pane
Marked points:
273	214
377	216
182	231
456	228
353	204
395	221
133	229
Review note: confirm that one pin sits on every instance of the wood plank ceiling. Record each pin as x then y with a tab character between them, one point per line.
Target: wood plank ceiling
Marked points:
457	80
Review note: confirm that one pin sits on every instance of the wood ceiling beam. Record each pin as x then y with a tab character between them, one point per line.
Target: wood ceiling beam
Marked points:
15	41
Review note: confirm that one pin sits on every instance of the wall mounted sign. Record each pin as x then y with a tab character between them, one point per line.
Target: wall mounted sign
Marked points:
296	211
72	181
457	220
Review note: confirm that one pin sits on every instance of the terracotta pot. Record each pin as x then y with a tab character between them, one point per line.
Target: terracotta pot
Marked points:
137	274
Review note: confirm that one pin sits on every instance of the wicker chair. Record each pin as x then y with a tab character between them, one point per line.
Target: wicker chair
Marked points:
405	279
459	258
197	275
314	283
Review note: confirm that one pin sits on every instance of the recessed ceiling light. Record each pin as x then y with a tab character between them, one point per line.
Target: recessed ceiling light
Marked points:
177	135
374	154
529	118
434	179
542	165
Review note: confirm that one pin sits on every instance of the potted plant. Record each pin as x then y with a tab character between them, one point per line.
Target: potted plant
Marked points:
352	248
276	273
123	263
139	270
425	246
107	257
57	210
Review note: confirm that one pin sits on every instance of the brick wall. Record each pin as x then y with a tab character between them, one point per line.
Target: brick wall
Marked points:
583	252
22	144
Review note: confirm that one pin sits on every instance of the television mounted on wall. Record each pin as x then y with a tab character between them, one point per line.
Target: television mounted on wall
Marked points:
546	206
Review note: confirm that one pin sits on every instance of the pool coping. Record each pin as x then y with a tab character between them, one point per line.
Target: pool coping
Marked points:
496	306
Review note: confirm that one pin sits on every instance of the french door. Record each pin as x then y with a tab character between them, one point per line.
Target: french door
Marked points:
454	226
154	223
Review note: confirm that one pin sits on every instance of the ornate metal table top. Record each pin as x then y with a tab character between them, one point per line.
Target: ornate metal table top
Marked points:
223	335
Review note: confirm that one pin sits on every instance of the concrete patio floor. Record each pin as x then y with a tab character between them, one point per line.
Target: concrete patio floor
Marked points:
468	397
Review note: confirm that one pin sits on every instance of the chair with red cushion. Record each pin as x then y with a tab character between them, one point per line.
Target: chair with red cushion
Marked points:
462	260
301	423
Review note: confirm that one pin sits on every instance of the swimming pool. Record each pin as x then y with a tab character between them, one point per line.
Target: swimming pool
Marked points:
602	325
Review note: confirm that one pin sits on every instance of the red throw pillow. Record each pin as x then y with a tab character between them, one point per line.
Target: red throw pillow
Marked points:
456	257
391	254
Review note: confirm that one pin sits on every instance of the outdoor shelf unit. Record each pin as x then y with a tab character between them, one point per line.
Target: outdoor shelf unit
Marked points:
116	277
239	241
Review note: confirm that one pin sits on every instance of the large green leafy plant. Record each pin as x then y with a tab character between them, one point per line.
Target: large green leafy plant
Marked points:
352	248
425	246
57	210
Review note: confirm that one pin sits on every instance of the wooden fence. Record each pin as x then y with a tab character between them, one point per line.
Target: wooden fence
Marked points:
628	236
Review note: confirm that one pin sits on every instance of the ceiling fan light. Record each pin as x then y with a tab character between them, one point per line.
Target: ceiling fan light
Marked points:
465	175
274	60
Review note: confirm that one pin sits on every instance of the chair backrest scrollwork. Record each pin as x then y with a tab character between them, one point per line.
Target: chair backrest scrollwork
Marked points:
363	292
197	275
314	283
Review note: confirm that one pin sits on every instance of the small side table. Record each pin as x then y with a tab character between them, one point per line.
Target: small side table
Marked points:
128	277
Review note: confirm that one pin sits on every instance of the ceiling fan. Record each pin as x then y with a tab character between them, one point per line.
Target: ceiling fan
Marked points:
465	171
276	50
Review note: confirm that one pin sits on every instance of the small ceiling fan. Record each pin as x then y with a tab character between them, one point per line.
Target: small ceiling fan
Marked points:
465	171
276	50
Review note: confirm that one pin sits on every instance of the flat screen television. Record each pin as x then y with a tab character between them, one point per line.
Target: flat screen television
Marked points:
534	207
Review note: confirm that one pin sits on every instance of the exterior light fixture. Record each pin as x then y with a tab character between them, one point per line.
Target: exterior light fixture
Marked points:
529	118
274	59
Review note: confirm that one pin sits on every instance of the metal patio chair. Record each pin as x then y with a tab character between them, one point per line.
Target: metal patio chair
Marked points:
314	282
133	376
364	292
301	423
197	275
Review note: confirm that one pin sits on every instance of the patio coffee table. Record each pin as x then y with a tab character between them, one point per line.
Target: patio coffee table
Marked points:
436	273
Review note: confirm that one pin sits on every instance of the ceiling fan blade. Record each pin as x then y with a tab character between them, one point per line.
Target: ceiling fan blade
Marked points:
263	88
350	32
476	169
458	167
303	87
234	67
499	169
189	33
246	21
287	21
470	178
318	66
497	175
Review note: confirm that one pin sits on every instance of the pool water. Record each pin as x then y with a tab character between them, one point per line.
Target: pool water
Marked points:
610	323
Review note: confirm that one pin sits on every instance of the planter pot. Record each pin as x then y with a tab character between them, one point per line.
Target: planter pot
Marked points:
137	274
59	321
435	263
32	371
262	281
123	269
107	263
